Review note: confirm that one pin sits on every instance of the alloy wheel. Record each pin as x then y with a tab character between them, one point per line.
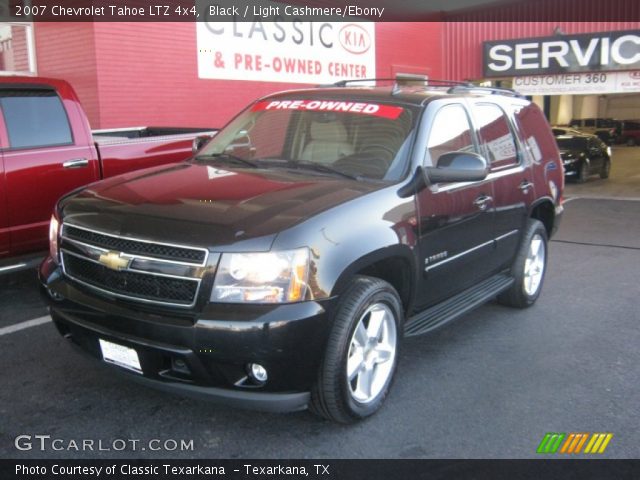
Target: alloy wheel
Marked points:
372	353
534	265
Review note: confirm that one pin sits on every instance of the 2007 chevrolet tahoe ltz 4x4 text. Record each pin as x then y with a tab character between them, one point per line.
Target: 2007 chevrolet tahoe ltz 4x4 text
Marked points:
281	267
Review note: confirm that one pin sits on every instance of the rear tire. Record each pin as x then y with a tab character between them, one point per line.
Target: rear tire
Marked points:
529	268
362	352
606	169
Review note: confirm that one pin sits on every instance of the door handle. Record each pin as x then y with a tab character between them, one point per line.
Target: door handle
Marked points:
76	163
525	185
482	201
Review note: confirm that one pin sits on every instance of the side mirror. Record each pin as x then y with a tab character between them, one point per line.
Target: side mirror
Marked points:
458	167
199	142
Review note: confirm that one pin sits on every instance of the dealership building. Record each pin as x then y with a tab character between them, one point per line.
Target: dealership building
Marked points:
201	73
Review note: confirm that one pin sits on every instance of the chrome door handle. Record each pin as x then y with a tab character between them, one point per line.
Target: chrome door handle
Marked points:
482	201
76	163
525	185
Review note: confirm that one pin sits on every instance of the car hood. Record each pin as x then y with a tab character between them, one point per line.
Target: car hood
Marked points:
206	205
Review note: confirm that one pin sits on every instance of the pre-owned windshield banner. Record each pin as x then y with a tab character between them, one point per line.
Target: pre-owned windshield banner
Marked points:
377	110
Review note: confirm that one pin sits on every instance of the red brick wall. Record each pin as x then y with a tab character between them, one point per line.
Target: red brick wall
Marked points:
67	51
146	73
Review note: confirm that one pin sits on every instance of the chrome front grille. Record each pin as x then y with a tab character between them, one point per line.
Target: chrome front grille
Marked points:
131	268
136	247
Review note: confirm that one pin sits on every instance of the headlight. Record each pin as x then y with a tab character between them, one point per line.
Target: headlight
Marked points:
609	151
270	277
54	230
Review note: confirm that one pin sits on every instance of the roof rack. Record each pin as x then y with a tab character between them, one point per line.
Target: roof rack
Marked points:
469	88
456	87
402	78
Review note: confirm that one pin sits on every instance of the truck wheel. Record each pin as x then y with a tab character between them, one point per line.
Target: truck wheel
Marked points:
583	172
606	169
362	352
528	268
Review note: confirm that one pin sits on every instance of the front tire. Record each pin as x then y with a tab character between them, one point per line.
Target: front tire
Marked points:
583	172
362	352
529	268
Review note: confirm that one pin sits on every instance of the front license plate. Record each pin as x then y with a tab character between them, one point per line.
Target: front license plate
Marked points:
120	355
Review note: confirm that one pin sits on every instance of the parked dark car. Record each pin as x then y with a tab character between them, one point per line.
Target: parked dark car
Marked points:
583	156
282	266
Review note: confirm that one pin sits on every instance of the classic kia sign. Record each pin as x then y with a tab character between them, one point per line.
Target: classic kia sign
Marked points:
594	52
291	52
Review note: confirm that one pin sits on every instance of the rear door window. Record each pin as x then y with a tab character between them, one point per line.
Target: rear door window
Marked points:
495	135
35	118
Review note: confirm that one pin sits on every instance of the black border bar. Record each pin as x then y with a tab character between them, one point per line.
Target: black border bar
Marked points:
544	469
316	10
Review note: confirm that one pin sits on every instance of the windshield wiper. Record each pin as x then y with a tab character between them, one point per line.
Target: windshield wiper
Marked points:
227	157
322	168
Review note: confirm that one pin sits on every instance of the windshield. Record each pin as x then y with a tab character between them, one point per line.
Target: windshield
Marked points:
348	139
571	143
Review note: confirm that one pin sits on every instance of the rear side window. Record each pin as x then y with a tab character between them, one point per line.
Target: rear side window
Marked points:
35	118
539	140
450	132
496	135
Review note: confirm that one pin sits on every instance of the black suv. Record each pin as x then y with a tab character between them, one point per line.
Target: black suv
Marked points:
282	265
583	155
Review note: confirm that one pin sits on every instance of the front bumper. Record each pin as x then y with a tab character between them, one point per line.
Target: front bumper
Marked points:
571	169
201	354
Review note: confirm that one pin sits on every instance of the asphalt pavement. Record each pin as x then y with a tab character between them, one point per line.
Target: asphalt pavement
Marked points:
490	385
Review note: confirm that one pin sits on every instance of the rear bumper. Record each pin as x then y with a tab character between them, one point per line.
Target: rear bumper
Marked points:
203	354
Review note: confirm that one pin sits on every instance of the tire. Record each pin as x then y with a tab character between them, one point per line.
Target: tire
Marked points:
334	396
631	142
528	269
606	169
583	172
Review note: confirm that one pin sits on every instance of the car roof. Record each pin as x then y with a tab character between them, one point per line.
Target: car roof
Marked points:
409	95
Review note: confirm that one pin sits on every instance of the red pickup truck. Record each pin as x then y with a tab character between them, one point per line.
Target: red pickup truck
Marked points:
48	149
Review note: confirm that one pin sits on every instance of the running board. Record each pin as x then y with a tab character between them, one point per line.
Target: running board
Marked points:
25	262
457	305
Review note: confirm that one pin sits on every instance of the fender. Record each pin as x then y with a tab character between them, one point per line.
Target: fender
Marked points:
359	233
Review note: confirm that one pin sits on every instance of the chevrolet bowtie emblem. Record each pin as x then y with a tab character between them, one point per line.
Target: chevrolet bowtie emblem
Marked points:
114	260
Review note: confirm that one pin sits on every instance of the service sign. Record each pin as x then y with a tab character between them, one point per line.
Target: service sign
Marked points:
291	52
594	52
579	83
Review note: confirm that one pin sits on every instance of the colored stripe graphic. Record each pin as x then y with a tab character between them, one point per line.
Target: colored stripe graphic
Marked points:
550	442
574	442
598	443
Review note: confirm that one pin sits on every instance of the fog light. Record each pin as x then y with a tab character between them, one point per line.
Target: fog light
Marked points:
258	372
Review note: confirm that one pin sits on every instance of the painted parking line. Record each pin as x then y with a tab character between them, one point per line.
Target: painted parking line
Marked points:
597	197
22	325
